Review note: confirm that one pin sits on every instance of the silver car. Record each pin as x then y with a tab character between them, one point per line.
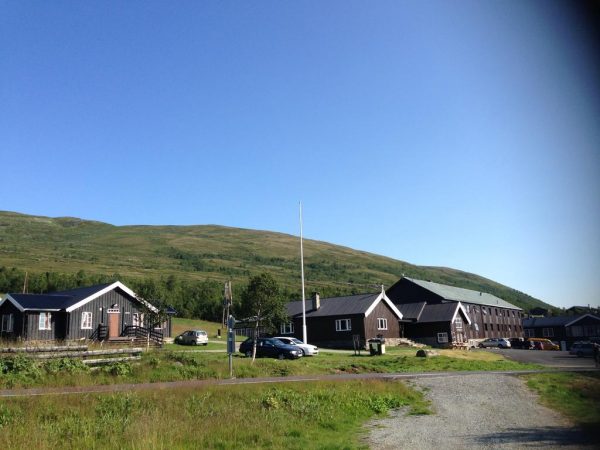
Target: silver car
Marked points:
307	349
495	342
192	337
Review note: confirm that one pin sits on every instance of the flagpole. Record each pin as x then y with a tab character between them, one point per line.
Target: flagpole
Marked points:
304	338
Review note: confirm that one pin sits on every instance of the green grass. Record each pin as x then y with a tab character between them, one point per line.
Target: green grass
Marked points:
165	365
208	252
576	395
313	416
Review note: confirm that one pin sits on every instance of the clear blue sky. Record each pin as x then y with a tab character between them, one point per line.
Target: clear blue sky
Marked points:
460	134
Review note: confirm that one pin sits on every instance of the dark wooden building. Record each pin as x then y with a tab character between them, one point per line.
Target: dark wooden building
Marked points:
333	322
489	316
563	328
438	325
94	312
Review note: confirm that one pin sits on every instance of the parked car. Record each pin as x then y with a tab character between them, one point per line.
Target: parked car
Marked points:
582	349
544	344
495	342
192	337
271	348
522	343
307	349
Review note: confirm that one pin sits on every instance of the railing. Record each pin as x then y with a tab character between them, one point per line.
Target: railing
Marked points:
100	334
144	333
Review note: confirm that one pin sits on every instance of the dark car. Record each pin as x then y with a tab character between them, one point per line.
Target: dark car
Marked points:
522	343
582	349
270	348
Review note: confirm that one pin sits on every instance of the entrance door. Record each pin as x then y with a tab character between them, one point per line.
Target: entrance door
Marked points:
114	330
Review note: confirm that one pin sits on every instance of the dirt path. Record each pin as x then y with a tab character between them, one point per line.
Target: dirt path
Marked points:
475	411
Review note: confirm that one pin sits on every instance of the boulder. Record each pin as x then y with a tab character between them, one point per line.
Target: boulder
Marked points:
424	353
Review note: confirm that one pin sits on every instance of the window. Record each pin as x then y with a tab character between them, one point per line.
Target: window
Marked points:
442	338
476	327
381	324
529	332
137	319
577	331
86	320
343	325
548	332
485	326
468	309
287	328
7	323
483	310
496	309
459	323
45	322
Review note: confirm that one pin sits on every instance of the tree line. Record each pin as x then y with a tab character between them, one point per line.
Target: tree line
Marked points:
191	299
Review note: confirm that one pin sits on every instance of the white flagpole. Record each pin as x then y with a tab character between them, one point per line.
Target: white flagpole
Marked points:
304	338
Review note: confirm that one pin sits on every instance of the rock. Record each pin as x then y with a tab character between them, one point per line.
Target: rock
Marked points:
424	353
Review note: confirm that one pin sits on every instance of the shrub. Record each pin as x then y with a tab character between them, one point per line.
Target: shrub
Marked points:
118	368
69	365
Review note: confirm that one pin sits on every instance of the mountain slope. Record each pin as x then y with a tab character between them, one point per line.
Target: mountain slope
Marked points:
65	244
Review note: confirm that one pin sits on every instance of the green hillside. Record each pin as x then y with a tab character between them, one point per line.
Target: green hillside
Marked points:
209	252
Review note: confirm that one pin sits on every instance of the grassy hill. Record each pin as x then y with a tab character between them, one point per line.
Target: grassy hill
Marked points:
210	252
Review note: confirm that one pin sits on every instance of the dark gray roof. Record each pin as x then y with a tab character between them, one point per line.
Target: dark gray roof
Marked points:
555	321
45	302
442	312
334	306
82	292
463	295
411	311
57	300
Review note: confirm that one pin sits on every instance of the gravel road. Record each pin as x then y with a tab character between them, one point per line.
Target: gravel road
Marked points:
477	412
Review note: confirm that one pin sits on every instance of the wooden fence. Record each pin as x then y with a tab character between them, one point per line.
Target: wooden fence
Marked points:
89	357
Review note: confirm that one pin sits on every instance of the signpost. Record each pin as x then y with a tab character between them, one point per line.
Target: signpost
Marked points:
230	343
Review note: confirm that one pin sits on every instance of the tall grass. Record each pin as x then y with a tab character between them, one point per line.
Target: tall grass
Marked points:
316	415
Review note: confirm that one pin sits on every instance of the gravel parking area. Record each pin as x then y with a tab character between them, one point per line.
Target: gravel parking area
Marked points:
477	412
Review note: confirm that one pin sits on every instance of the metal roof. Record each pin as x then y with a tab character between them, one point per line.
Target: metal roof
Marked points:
554	321
463	295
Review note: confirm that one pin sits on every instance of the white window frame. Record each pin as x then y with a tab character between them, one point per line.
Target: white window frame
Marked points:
382	323
86	320
7	323
529	332
548	332
137	319
347	325
458	323
287	328
45	321
442	338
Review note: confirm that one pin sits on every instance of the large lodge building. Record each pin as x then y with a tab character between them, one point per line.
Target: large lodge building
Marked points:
432	309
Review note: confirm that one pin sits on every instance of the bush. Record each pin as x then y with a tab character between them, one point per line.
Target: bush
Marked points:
69	365
118	369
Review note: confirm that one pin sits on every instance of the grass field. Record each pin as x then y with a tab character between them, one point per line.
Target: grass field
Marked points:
576	395
314	416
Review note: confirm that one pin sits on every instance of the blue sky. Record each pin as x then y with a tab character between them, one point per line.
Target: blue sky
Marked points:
459	134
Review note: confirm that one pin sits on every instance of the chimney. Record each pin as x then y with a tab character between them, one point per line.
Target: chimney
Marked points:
316	301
